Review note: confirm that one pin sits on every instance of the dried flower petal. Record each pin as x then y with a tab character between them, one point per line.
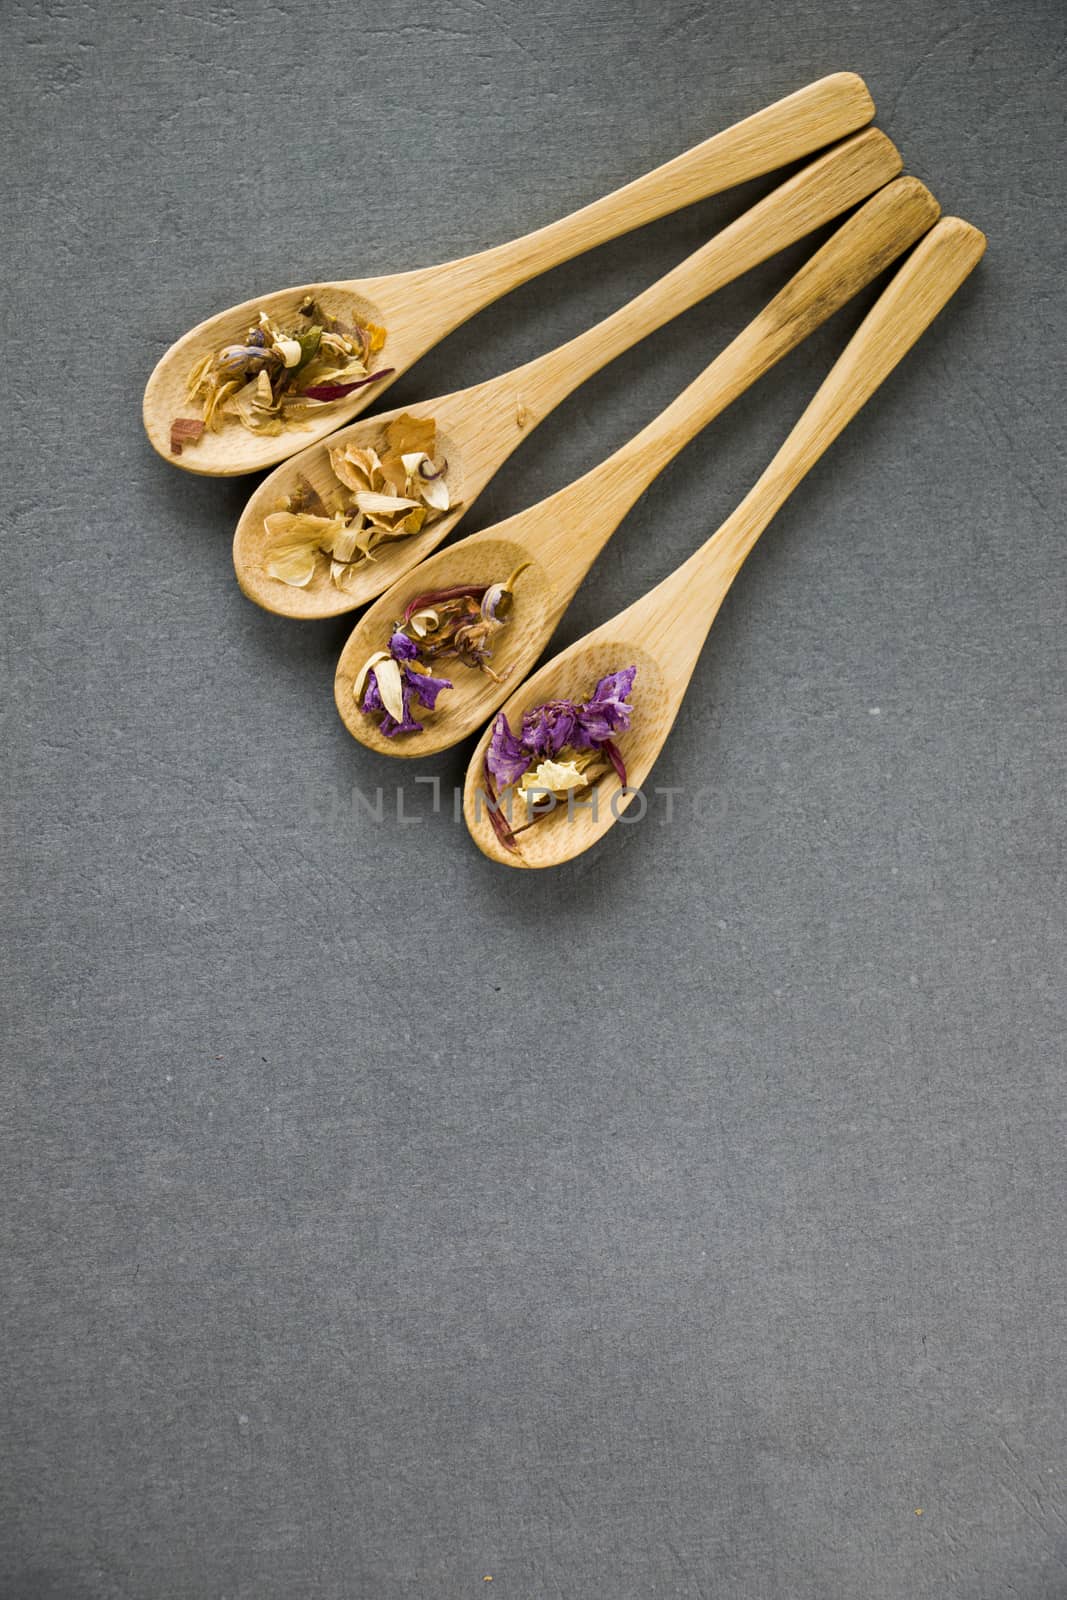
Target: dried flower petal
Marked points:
406	435
611	750
290	351
383	504
293	564
556	776
358	469
507	757
435	493
361	676
337	391
296	541
184	430
606	711
391	688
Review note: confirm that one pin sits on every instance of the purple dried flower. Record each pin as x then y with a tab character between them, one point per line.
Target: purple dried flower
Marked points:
561	724
401	648
417	686
507	757
613	754
606	711
547	728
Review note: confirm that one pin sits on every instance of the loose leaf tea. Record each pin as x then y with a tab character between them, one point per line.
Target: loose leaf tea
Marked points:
276	377
562	746
458	623
382	495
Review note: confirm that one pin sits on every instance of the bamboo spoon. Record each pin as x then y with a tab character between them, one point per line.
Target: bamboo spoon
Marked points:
419	308
481	426
663	633
561	536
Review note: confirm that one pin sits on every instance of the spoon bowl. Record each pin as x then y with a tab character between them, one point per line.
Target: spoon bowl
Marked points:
233	449
475	695
565	829
323	598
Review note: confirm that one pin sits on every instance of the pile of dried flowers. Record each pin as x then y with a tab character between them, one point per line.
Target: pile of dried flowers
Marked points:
279	376
562	746
459	623
381	497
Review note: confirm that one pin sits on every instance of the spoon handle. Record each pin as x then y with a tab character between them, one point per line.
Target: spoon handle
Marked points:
829	185
922	287
882	228
784	132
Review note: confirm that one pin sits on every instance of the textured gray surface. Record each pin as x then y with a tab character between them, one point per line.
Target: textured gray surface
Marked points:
377	1220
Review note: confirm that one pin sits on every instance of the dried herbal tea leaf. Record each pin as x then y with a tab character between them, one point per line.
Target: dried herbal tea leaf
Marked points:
383	504
297	539
276	375
555	776
184	430
394	671
562	744
441	623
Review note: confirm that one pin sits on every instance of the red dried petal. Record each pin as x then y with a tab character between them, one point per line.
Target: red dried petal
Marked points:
437	597
613	755
183	430
496	816
337	391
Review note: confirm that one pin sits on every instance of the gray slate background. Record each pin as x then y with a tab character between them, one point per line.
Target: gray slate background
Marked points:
377	1220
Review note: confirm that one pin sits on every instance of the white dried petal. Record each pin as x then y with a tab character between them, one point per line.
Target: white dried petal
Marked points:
423	622
290	351
361	677
390	687
435	493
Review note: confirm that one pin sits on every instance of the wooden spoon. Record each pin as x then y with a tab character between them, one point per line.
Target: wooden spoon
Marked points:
664	632
478	428
561	536
419	308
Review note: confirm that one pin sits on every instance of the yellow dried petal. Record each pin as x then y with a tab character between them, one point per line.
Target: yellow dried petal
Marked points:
383	505
197	375
293	564
556	776
216	404
413	521
344	541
